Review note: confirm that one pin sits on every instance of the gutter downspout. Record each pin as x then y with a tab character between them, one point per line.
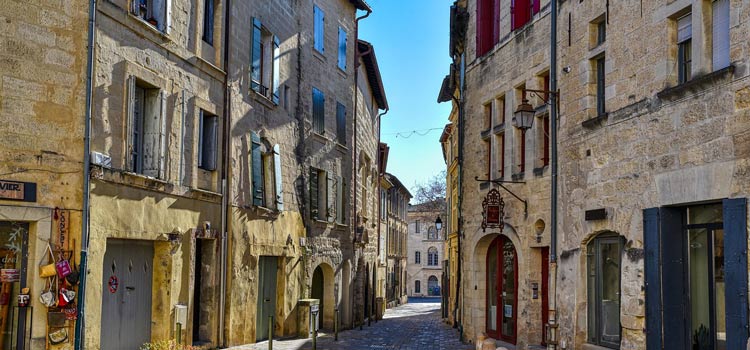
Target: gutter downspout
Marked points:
78	341
553	186
357	56
224	176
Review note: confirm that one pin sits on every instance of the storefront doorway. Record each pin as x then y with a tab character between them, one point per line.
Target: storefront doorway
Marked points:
502	290
14	239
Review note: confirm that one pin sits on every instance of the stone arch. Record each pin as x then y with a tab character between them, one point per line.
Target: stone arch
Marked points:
322	287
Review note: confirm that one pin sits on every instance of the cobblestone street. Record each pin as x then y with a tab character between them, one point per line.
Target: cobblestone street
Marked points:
414	326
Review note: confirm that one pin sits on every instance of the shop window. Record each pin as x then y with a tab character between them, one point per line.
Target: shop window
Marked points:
603	268
265	62
147	109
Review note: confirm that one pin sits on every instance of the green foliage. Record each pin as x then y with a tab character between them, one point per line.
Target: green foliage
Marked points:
167	345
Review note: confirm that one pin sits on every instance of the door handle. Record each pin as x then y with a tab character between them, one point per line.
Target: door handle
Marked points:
130	288
267	300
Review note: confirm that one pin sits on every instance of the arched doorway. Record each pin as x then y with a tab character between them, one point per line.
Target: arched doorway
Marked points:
502	290
322	289
433	288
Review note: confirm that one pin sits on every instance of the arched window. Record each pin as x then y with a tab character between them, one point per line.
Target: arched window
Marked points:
432	232
417	287
417	257
432	256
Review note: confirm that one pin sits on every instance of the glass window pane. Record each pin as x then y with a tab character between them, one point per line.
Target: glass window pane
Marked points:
721	327
610	290
509	289
492	288
698	255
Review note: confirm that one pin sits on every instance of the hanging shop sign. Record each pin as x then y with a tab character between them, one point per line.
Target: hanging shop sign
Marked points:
493	210
18	191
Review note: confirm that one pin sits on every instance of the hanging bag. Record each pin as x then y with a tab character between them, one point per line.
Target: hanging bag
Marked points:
55	319
72	278
47	270
59	336
63	267
71	313
47	298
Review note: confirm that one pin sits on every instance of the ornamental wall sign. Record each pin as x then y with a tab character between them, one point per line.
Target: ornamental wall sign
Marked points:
493	211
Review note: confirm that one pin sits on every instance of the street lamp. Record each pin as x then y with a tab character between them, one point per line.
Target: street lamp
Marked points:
438	223
523	117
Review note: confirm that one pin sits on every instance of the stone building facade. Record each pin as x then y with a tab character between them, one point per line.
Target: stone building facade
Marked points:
396	197
156	187
498	53
655	137
43	65
653	199
449	145
425	250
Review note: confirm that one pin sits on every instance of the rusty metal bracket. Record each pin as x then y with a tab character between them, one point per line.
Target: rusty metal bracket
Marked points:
500	183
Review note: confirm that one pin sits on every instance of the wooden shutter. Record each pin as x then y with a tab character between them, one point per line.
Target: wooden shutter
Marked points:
318	29
167	16
276	69
318	111
314	195
211	143
340	200
162	157
134	4
131	127
342	49
735	274
201	139
330	196
278	177
257	172
496	23
684	28
535	7
255	56
673	275
478	30
652	247
720	37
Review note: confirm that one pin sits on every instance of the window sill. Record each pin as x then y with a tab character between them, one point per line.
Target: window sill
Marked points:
145	177
342	72
499	128
319	55
205	192
588	346
517	176
540	171
342	147
696	84
485	134
595	121
262	99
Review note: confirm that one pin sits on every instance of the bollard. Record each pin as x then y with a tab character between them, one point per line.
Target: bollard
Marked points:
179	333
336	325
270	332
315	338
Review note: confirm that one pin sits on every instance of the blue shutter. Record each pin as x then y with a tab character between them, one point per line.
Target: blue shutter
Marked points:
318	32
673	276
735	274
257	172
255	56
342	48
276	72
652	247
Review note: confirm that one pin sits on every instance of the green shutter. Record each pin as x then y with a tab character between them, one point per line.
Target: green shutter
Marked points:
255	56
314	210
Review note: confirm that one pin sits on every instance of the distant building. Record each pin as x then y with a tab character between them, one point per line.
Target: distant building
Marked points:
397	198
425	247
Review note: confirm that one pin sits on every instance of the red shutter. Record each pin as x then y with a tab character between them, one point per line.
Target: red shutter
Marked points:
521	13
535	8
513	14
480	47
496	22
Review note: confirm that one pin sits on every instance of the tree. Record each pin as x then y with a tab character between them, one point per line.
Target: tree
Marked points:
431	192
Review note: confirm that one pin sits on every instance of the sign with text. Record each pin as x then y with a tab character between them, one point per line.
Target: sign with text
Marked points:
18	191
493	210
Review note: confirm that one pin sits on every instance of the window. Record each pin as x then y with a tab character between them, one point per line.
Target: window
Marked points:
417	257
416	227
543	127
342	49
340	123
603	282
155	12
684	48
521	134
417	287
265	173
318	195
720	37
318	112
601	31
431	232
432	256
488	116
488	157
147	114
501	154
208	21
318	29
522	11
340	189
208	140
265	62
600	86
488	26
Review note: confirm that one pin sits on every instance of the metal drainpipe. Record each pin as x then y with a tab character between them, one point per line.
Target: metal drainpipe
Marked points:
78	342
357	55
224	176
553	188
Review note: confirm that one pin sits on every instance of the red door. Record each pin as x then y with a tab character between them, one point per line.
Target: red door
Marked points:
545	296
502	290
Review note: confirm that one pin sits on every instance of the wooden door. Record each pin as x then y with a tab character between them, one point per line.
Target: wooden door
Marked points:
266	296
545	293
502	290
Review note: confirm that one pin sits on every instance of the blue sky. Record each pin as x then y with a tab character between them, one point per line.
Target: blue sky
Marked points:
411	43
